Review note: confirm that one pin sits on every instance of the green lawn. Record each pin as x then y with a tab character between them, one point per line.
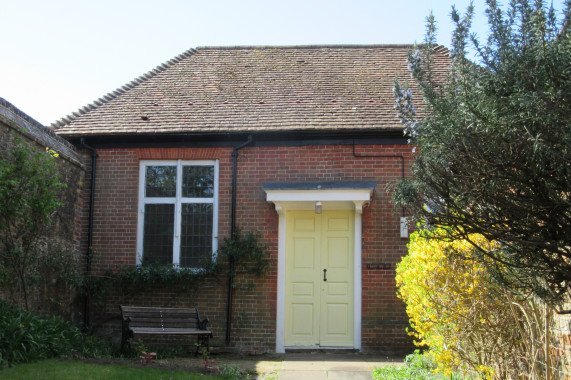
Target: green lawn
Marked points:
72	370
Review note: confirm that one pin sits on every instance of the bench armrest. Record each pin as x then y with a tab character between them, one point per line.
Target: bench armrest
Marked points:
125	321
202	324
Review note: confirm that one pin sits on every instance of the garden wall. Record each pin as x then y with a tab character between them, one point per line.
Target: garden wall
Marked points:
49	295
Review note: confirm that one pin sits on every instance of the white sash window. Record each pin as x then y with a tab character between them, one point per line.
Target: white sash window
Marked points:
178	208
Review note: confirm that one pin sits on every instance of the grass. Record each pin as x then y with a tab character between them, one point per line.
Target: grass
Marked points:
53	369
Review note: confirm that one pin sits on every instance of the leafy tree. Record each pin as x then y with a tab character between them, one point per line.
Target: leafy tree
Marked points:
495	143
29	188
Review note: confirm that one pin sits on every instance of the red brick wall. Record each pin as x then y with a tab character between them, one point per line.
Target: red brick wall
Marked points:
254	312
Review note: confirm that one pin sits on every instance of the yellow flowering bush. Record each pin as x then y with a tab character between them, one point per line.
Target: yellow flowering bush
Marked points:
469	322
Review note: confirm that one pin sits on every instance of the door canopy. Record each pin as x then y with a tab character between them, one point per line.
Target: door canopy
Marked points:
338	195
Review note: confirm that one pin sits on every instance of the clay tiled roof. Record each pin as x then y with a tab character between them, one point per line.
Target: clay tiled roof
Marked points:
243	89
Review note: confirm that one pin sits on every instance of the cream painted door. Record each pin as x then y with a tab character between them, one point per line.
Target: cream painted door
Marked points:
319	279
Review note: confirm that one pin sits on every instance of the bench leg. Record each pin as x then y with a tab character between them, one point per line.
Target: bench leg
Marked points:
202	343
126	339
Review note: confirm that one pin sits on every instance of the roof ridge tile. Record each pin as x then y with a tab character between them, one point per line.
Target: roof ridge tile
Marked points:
315	46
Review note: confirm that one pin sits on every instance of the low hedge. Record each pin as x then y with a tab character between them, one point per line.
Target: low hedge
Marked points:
26	337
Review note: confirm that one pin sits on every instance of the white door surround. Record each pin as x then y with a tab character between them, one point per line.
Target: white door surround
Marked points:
331	196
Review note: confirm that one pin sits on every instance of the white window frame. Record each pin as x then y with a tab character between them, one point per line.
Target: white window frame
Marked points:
178	200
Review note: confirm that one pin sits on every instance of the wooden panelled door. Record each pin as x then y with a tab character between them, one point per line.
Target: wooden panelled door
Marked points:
319	279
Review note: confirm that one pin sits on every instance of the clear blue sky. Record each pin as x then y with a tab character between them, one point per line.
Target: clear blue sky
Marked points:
58	55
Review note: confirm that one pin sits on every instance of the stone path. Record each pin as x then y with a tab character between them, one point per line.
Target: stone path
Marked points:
319	366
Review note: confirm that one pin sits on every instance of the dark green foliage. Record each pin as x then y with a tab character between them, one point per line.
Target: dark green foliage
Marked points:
26	337
247	252
29	189
132	281
495	140
154	275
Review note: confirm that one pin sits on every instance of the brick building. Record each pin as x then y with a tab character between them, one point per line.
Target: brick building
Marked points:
296	143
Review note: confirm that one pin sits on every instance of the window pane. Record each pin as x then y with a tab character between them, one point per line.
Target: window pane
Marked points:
158	234
160	181
196	234
198	181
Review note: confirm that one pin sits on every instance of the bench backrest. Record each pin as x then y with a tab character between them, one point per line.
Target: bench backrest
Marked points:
162	317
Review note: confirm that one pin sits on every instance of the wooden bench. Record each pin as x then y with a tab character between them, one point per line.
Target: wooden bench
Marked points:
137	320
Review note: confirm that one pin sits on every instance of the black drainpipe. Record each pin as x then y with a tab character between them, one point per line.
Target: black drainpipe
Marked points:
89	251
232	233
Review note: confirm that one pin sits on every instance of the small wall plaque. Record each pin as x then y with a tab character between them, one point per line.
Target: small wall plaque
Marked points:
403	227
380	266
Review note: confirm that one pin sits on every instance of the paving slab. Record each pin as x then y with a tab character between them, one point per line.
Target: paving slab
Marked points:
303	375
300	366
344	375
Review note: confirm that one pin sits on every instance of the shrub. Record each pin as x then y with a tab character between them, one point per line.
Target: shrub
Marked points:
495	142
469	322
34	266
26	337
232	371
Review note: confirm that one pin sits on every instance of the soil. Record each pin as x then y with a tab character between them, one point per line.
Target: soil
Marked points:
170	364
191	364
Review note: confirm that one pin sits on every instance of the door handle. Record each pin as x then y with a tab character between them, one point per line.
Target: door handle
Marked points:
324	274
